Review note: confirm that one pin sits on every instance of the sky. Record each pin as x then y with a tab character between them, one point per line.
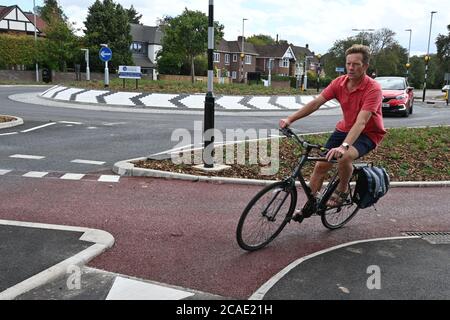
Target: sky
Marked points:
318	23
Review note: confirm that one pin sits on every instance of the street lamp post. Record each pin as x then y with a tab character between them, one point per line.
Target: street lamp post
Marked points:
427	58
318	68
409	53
243	52
35	39
86	57
362	33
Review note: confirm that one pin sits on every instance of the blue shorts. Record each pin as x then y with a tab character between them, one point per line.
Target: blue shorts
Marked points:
363	144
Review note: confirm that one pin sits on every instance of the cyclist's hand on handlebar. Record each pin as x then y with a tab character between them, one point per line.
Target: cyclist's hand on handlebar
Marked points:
284	123
335	153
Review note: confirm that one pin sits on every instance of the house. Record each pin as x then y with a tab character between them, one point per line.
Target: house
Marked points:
146	42
14	20
286	59
234	61
282	57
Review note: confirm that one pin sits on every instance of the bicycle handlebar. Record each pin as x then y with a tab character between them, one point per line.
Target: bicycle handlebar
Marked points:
289	133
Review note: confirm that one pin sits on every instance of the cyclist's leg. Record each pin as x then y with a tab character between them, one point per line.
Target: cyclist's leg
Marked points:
360	147
318	176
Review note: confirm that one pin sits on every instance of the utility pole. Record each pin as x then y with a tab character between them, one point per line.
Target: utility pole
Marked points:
35	39
408	65
427	58
243	52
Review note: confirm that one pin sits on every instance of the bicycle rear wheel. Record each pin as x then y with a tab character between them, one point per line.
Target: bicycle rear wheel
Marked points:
337	217
266	215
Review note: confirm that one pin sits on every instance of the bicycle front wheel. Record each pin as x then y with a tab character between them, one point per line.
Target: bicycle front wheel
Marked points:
266	215
337	217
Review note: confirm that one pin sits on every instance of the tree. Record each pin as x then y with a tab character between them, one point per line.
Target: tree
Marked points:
387	56
443	52
187	36
50	9
133	15
261	40
107	23
60	41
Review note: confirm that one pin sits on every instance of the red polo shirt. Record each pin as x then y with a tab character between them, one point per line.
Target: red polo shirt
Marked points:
367	97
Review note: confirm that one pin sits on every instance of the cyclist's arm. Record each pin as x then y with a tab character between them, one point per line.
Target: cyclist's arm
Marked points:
358	127
309	108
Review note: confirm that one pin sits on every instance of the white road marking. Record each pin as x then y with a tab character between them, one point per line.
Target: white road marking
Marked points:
26	156
90	128
188	146
3	171
70	122
112	123
39	127
35	174
129	289
108	178
98	163
72	176
8	133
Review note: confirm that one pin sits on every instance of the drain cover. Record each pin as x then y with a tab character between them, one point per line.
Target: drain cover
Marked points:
432	237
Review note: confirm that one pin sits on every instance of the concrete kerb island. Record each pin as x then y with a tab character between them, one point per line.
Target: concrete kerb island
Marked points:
101	241
127	168
9	124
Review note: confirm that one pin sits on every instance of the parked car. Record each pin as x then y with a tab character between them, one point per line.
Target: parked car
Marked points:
398	96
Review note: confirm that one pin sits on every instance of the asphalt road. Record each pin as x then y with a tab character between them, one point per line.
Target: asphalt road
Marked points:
102	136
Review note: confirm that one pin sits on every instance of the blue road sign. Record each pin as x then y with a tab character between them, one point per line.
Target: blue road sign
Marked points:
105	54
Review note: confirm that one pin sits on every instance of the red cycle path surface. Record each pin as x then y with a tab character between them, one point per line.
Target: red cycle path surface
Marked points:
183	233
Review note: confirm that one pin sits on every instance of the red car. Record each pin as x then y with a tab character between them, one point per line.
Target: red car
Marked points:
398	96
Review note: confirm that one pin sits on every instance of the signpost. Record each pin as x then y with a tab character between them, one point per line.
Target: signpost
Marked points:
105	54
130	72
340	69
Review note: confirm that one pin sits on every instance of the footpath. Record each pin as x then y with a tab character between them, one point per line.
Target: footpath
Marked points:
412	264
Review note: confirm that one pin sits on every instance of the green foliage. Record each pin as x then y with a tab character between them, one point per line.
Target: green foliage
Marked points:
389	58
18	50
261	40
185	38
133	15
107	23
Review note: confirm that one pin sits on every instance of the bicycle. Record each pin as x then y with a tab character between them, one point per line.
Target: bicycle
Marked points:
272	208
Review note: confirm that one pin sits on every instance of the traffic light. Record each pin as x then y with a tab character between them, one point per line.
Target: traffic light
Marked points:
427	58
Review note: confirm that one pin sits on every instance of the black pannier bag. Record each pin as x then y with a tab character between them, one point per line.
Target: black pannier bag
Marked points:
372	183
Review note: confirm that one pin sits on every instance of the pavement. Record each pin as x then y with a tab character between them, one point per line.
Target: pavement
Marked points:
367	260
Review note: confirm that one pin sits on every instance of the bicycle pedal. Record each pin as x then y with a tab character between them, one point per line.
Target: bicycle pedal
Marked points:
297	216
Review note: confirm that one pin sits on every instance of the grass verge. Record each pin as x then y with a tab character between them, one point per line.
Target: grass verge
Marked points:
419	154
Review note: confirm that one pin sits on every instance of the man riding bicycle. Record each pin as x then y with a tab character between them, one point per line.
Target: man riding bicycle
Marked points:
360	130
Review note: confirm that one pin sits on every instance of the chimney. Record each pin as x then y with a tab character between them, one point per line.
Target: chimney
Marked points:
307	46
277	38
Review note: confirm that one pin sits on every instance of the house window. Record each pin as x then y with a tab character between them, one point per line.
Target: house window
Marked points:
227	58
284	63
138	48
248	59
233	75
234	57
216	57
